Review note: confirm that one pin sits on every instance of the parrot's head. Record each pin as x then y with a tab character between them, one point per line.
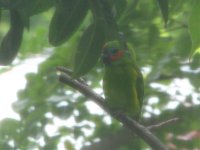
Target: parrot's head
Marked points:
114	53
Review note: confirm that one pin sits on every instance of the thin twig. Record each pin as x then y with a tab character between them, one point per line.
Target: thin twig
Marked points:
65	70
134	126
164	123
84	89
70	72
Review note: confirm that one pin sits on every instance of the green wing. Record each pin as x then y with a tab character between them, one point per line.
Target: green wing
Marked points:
140	87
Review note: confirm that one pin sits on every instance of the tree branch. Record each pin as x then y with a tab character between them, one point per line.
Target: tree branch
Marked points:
133	125
164	123
112	141
122	137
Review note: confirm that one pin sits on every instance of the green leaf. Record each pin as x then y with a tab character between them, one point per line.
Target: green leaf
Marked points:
67	18
52	142
29	7
194	26
0	14
183	44
9	127
163	4
69	145
35	6
111	25
102	11
12	40
89	49
25	18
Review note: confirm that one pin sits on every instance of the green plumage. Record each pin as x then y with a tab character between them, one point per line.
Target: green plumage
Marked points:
122	81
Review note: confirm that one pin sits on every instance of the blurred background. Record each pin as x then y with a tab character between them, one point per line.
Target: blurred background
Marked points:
37	112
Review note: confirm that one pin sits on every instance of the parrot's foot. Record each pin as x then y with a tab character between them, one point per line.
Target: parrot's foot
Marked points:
116	113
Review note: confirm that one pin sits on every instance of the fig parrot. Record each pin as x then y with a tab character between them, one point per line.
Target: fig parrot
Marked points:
122	81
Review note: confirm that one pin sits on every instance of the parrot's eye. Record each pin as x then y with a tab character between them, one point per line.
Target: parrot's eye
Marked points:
114	51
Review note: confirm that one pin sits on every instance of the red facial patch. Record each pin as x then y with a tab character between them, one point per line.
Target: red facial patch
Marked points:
117	55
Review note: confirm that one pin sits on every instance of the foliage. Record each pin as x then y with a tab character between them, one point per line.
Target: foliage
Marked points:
162	53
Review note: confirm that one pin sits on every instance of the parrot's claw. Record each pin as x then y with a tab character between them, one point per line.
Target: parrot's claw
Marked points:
116	113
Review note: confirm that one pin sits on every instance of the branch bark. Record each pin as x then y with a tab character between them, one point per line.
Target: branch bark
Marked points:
131	124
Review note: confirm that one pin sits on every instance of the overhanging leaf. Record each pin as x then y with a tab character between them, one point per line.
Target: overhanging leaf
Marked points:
12	40
89	49
29	7
163	4
102	11
66	19
194	26
111	25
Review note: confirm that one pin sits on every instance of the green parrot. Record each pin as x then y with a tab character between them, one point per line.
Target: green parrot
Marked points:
122	82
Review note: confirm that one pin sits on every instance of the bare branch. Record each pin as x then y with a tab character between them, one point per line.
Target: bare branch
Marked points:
133	125
164	123
70	72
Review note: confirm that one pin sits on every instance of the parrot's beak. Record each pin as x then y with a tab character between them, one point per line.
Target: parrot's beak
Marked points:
105	59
